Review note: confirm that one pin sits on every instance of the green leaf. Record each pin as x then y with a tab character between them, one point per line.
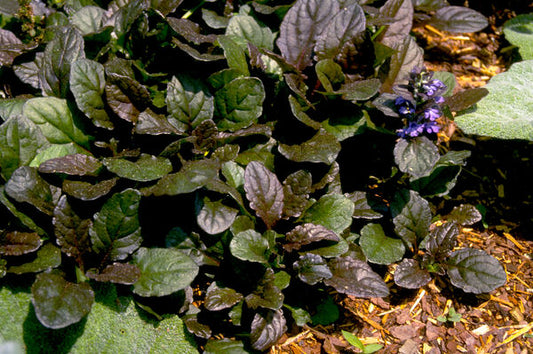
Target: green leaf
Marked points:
188	102
333	211
440	181
66	47
312	268
87	83
322	147
234	54
509	92
300	28
116	232
519	31
213	20
47	257
20	141
443	176
265	193
233	173
417	156
353	340
100	332
146	168
344	126
217	299
59	303
411	216
341	31
17	243
409	274
282	280
299	315
360	90
11	107
250	246
475	271
458	19
334	250
355	277
26	185
22	218
56	121
239	103
244	29
329	73
378	247
88	19
163	271
55	151
224	346
215	217
192	176
327	312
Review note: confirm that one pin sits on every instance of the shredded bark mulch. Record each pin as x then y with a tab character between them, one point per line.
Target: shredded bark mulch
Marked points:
420	322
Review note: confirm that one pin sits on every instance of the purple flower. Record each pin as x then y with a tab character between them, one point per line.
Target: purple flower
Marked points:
414	129
432	114
404	106
439	99
434	88
431	127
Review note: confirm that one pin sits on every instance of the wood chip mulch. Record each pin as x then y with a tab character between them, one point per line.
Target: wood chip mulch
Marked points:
411	321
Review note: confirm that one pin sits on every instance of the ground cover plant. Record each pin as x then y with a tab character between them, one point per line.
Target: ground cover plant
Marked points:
215	160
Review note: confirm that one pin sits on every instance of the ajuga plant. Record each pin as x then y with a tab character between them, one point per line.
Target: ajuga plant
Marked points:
227	157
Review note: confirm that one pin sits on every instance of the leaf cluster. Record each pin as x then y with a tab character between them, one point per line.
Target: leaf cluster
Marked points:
206	153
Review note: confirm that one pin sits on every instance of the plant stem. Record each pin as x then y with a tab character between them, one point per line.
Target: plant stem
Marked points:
191	11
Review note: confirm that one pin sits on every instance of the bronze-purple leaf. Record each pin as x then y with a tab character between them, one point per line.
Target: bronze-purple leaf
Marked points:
72	232
87	191
75	164
16	243
264	191
305	234
119	273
